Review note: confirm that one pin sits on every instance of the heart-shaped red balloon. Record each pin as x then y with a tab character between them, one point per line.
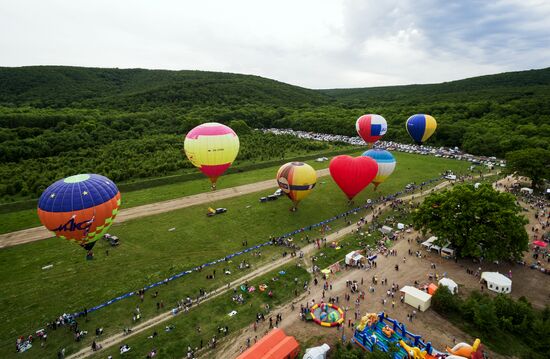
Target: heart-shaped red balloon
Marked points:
351	174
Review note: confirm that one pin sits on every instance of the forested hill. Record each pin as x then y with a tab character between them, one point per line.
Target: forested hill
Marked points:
60	86
128	124
502	87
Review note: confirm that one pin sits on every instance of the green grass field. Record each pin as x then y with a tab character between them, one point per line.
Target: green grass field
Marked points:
215	313
14	221
149	252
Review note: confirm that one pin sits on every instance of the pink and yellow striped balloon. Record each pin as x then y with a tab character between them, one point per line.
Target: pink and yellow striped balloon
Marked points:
212	147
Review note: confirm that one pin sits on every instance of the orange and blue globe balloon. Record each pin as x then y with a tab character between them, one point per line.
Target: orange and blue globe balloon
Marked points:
420	127
80	208
212	148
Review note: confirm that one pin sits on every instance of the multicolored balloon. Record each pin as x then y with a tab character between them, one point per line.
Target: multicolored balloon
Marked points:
386	164
212	147
371	128
351	174
296	180
421	127
80	208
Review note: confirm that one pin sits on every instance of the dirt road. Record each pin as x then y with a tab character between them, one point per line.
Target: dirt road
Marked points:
118	338
39	233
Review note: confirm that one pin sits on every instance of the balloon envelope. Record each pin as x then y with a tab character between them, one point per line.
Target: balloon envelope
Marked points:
212	147
80	208
386	164
371	127
351	174
421	127
296	180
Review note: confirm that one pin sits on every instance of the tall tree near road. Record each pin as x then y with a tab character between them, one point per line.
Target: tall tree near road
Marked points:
530	162
478	222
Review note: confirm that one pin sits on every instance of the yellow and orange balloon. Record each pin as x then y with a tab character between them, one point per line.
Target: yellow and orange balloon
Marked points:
296	180
212	147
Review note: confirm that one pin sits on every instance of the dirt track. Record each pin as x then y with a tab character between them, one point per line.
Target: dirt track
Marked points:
39	233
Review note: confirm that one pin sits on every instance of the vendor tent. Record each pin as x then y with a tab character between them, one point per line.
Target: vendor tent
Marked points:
449	283
386	229
352	258
497	282
275	345
317	352
527	190
429	242
417	298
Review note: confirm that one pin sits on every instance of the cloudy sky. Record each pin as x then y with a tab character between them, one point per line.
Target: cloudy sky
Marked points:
311	43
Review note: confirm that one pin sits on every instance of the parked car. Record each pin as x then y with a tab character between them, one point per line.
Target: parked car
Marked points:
212	212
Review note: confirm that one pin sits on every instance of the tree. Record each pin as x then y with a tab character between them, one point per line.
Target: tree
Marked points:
240	127
444	301
478	222
531	162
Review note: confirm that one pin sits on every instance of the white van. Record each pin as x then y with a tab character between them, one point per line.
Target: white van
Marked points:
450	177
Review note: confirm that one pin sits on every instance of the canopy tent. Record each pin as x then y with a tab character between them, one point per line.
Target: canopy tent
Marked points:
400	226
317	352
429	242
432	288
447	252
386	229
417	298
497	282
275	345
542	244
449	283
352	258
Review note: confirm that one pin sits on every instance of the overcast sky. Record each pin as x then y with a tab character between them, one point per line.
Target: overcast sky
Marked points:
310	43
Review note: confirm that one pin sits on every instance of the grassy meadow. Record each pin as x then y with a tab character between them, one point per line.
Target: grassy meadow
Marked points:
17	220
149	252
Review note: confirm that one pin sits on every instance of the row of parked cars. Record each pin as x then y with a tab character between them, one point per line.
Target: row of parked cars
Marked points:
443	152
272	197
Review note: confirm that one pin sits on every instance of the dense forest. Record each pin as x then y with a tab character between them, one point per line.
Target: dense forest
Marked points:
130	124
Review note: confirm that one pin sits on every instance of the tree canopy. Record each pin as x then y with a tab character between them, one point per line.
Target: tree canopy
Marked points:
530	162
478	222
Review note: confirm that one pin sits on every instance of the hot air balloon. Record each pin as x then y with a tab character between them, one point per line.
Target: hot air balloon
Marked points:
386	164
421	127
296	180
80	208
371	128
212	147
351	174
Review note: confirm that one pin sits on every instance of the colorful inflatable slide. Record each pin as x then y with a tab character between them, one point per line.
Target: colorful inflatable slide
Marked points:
381	332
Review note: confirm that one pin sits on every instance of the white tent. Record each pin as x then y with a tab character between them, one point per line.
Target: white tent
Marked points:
352	258
419	299
447	252
449	283
317	352
497	282
527	190
400	226
428	243
386	229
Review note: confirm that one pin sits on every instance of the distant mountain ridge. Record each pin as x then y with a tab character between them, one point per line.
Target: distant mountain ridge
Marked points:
60	86
64	86
474	88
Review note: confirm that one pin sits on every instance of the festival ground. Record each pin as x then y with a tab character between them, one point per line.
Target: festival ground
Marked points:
429	324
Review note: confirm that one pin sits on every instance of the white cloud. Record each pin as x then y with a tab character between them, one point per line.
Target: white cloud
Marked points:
316	44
